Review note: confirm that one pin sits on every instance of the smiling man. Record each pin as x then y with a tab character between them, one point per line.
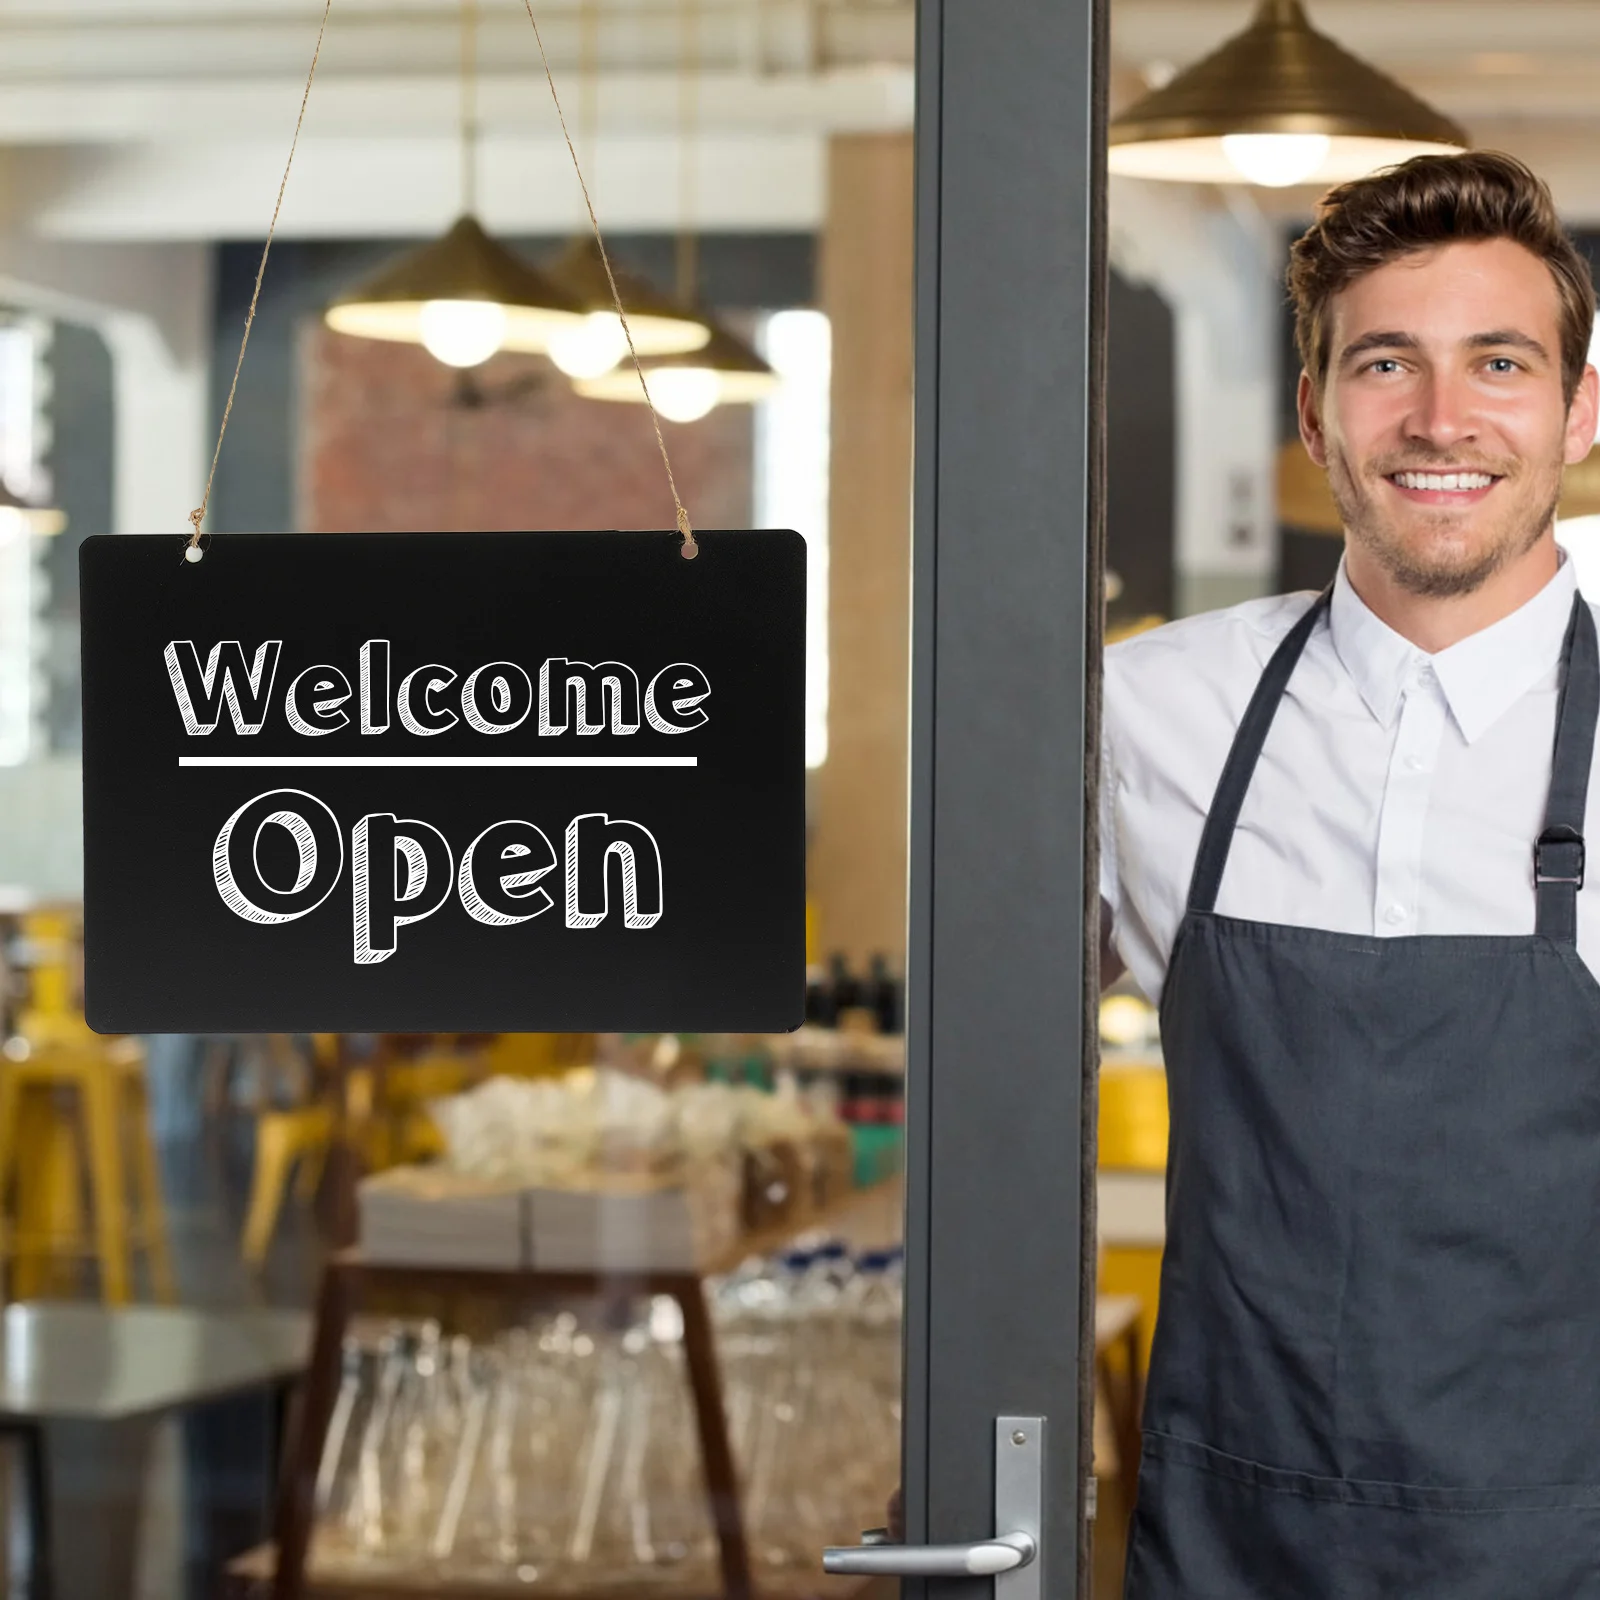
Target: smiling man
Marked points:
1343	845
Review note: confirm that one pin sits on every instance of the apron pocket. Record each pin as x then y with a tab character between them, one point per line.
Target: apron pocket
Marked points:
1211	1526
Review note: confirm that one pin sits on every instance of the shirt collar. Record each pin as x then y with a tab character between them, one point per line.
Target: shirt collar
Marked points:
1482	677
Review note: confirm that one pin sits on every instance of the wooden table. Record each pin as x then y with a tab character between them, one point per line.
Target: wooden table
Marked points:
348	1278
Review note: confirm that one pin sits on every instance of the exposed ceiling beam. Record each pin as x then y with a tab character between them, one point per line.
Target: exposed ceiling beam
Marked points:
1393	34
63	43
406	187
857	99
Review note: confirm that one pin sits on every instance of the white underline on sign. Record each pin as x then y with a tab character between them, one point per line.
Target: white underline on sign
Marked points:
438	761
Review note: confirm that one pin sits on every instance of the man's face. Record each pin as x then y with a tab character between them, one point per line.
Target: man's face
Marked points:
1441	421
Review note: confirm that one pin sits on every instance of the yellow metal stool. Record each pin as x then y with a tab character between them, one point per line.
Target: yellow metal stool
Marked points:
538	1055
293	1137
104	1083
52	1011
283	1138
49	1201
378	1109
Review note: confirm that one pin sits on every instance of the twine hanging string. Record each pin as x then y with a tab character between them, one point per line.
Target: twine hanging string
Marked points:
193	551
690	549
197	517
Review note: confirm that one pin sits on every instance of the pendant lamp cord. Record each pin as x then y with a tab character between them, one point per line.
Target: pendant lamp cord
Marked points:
197	517
469	106
688	262
689	549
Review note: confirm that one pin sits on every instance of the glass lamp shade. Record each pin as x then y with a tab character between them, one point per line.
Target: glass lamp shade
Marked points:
431	295
684	387
595	346
1276	160
464	333
660	325
685	394
1278	104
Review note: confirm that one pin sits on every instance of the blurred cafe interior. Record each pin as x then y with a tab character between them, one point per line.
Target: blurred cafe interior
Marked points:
168	1203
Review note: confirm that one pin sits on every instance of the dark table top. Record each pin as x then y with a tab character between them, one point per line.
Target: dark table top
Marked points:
89	1362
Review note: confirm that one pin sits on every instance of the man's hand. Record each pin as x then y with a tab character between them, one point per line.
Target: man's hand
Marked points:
1111	965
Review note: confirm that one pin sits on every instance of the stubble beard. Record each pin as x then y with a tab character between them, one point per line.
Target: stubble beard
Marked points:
1422	567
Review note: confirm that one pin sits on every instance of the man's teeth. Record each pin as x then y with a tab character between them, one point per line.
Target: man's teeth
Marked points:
1443	480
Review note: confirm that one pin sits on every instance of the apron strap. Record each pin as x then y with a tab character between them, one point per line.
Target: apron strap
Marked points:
1558	857
1217	838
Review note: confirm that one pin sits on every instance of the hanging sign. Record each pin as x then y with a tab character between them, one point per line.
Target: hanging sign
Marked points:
444	783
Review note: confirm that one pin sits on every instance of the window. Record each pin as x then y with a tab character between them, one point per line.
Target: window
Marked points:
791	482
21	581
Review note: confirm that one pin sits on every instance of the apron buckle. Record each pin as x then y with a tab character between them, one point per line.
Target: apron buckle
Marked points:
1567	866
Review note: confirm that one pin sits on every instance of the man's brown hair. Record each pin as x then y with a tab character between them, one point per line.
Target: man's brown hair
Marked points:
1430	200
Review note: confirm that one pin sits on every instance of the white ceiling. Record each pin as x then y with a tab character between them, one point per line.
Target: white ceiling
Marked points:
154	119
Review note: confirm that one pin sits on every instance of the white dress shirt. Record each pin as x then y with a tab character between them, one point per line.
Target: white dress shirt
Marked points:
1398	792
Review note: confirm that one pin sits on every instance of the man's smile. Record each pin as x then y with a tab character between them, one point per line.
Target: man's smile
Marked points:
1457	488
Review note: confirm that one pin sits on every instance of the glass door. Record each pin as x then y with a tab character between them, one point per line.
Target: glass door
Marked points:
668	1406
1002	989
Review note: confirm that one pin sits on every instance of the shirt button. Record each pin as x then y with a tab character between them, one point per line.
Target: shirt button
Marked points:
1416	764
1394	915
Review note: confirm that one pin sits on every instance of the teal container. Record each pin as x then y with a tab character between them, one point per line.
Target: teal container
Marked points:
880	1151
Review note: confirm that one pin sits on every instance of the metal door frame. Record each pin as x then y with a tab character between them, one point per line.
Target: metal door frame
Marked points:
1006	634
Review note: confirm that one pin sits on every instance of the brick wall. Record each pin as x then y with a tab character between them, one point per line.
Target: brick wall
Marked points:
384	446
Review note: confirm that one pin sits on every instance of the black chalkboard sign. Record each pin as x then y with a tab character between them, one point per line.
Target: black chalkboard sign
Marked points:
444	783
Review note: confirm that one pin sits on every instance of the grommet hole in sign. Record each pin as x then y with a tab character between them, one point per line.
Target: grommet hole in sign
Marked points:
195	550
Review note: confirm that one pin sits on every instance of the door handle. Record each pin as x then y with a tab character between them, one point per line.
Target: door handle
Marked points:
1010	1558
985	1559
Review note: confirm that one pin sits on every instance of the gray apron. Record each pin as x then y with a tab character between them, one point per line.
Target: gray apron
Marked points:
1376	1372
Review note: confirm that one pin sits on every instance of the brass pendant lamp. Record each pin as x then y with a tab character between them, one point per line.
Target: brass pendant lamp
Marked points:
659	325
724	370
464	296
1276	105
683	388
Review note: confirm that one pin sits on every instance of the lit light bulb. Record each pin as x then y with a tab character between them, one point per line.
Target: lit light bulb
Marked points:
684	394
1275	160
593	347
462	333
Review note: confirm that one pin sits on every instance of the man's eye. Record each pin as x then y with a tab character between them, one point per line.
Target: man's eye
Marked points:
1502	364
1384	364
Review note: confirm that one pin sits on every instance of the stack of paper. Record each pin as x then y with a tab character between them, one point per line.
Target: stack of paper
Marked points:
635	1224
615	1222
427	1216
